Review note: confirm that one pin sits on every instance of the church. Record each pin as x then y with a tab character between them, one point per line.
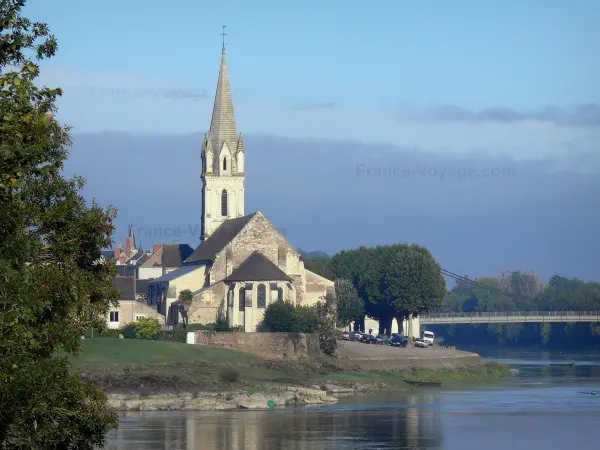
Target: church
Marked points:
243	263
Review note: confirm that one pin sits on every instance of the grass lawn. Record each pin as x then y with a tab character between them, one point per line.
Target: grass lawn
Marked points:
158	367
162	367
119	352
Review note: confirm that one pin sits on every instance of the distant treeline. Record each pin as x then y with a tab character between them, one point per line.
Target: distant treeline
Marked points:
525	294
512	291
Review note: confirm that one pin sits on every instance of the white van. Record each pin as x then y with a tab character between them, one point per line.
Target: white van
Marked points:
429	337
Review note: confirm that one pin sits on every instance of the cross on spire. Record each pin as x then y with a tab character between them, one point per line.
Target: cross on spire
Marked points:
223	34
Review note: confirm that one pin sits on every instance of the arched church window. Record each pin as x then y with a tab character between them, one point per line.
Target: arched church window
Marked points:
261	301
224	163
242	299
224	202
280	294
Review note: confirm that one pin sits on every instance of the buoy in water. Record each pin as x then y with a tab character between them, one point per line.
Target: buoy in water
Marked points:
270	403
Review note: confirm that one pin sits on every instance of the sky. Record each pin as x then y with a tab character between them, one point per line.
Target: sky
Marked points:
451	85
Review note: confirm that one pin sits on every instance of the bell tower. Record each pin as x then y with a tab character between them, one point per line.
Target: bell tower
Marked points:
222	160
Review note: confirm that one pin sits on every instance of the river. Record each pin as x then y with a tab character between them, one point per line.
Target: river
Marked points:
544	406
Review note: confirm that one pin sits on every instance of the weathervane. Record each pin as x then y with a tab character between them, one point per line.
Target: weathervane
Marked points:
223	34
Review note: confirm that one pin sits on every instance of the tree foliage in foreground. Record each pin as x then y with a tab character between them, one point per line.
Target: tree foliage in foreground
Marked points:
53	283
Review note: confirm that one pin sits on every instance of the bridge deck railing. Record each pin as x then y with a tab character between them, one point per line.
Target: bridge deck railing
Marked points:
510	314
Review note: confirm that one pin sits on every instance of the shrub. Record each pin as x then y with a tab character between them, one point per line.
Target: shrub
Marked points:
305	320
177	334
129	331
279	318
283	317
229	375
147	328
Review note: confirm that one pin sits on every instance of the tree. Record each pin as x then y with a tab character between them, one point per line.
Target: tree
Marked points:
186	296
414	282
349	306
326	327
54	285
147	328
383	275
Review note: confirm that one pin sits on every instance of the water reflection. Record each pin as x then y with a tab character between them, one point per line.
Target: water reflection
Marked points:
356	426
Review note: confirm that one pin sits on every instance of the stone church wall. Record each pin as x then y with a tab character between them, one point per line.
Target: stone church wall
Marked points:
204	314
265	345
259	235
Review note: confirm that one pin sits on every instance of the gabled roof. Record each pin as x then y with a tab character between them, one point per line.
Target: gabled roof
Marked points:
175	274
125	287
258	268
172	255
218	240
141	286
142	260
126	270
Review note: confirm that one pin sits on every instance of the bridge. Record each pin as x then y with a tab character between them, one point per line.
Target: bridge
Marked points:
510	317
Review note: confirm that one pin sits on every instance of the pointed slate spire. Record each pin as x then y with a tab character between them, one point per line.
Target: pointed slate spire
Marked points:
132	235
222	125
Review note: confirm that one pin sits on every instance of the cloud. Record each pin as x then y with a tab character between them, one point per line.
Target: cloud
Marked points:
477	214
108	101
583	115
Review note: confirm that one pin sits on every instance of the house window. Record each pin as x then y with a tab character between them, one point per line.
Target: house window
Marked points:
224	163
114	316
280	294
224	203
242	300
261	301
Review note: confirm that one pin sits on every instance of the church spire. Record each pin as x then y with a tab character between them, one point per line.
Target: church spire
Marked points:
222	125
223	159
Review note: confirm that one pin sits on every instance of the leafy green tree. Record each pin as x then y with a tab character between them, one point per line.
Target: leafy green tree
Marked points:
147	328
349	306
388	278
54	284
414	282
318	265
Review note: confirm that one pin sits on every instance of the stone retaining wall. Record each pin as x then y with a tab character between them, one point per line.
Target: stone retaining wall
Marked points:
265	345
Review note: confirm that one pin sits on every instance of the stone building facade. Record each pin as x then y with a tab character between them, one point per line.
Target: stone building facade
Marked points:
243	262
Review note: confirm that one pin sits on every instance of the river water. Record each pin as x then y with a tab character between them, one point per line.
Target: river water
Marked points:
543	406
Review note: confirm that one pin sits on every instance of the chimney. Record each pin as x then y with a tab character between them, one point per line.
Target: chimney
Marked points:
156	248
117	253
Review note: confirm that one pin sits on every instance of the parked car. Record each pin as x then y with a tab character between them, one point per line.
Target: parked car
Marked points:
370	339
398	341
429	337
420	343
385	339
351	336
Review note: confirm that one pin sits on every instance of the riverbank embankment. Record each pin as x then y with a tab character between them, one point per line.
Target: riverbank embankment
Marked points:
157	375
